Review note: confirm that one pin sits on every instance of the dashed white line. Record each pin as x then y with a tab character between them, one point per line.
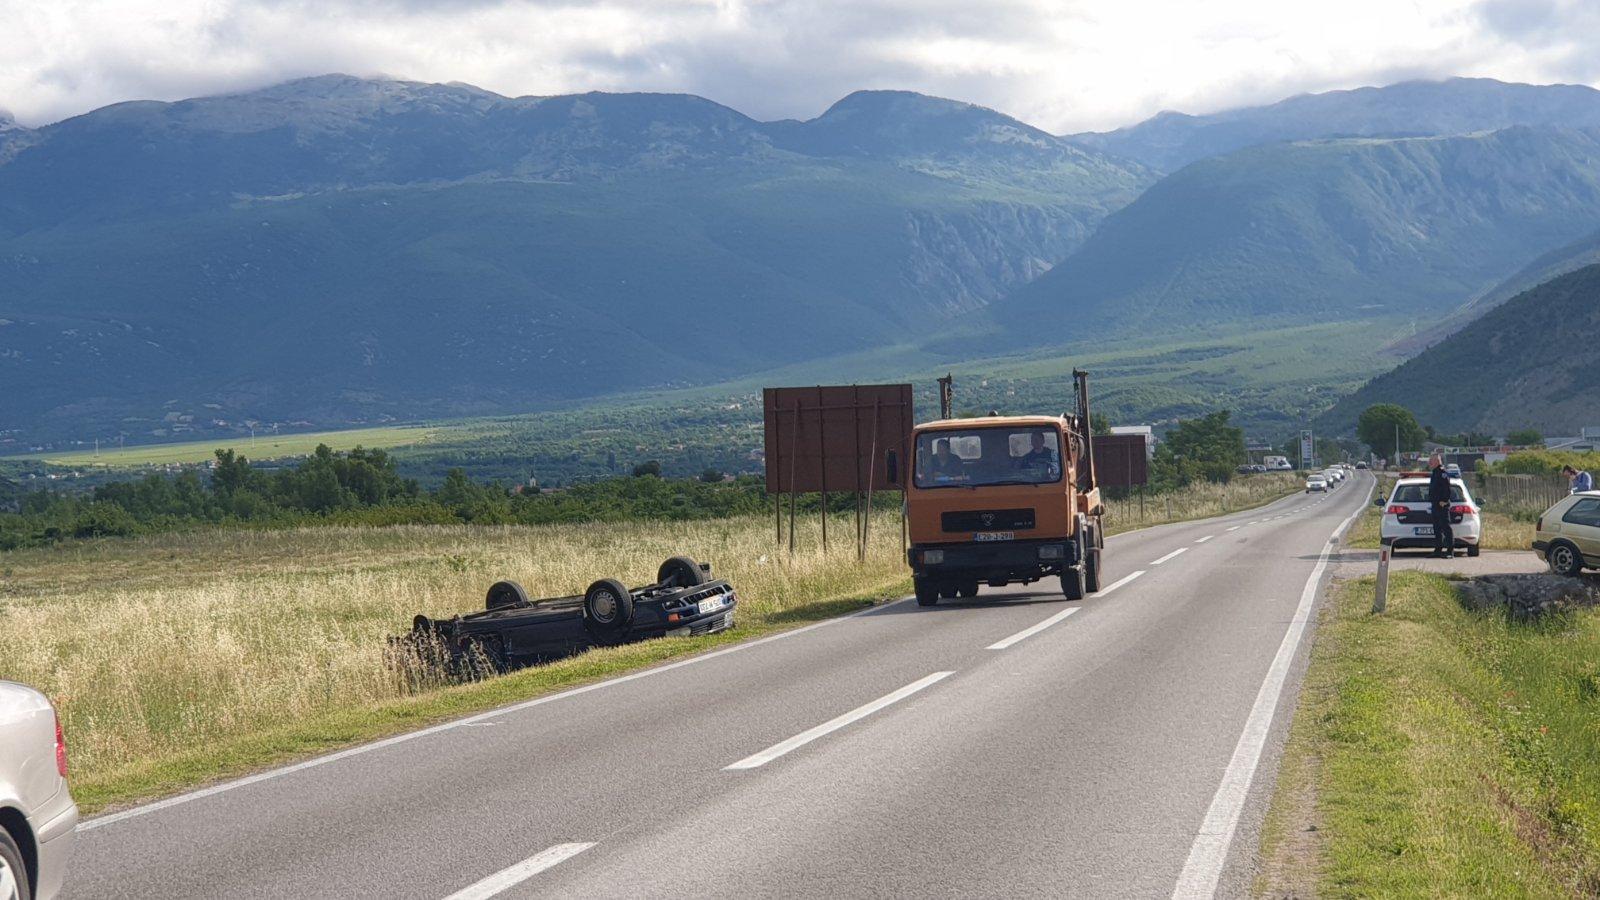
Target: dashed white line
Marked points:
755	760
1209	852
522	871
1204	539
1174	553
1236	528
1032	630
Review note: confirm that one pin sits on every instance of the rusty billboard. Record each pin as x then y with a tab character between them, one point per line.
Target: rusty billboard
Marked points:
837	438
1121	460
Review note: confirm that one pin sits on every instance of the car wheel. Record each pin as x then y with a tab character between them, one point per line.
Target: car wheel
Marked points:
1472	549
13	877
505	593
681	571
927	591
607	609
1074	583
1564	559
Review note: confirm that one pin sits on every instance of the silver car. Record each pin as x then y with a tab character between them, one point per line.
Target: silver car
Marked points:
37	815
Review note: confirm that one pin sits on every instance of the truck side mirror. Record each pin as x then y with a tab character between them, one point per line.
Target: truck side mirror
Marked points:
892	465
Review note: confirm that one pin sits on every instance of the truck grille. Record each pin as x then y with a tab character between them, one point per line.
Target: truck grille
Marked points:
987	520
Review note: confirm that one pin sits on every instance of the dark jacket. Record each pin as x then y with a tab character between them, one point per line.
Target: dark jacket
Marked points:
1438	488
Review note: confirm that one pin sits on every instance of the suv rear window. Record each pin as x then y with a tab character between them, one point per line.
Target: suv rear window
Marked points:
1418	493
1584	512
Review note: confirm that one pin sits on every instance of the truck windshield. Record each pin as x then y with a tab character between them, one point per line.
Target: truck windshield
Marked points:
986	456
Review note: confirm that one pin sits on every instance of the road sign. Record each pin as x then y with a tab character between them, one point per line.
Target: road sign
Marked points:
1308	449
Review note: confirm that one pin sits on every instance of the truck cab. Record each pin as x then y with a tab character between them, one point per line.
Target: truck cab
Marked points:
1003	500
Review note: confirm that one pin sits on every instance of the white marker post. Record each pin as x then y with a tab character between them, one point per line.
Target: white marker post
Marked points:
1380	599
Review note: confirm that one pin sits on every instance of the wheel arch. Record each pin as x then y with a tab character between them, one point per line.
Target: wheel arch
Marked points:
16	824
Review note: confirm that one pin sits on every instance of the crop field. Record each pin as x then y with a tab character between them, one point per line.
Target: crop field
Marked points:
262	447
183	657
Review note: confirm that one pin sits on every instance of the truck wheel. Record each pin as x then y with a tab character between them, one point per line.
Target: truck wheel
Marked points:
505	593
927	591
13	877
607	610
1074	583
1564	559
1091	576
968	590
681	571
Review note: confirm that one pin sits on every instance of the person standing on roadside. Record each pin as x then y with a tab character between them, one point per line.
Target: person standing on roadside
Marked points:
1580	481
1439	498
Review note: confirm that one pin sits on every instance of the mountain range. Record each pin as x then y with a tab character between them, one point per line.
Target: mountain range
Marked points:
340	250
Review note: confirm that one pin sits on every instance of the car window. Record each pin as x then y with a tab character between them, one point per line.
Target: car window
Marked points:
1584	512
995	455
1418	493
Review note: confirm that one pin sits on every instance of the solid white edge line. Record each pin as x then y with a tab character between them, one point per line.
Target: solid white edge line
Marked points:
1175	553
1209	852
157	806
522	871
1204	539
1032	630
756	760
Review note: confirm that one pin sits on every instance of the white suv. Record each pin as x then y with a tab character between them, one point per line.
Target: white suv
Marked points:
37	815
1408	521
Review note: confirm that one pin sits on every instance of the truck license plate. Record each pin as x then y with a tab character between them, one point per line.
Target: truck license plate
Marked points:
995	536
710	604
1423	531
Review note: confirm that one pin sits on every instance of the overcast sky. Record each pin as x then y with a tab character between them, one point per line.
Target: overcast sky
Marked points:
1064	65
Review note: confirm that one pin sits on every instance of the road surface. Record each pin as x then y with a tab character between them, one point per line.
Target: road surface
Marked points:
1124	746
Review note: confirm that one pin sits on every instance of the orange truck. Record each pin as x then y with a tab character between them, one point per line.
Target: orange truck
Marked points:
1005	500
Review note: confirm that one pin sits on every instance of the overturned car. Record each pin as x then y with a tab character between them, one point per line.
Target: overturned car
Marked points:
514	630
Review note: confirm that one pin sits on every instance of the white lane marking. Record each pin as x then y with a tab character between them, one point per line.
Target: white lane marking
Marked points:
1032	630
1170	555
1206	538
1236	528
522	871
248	780
1209	852
756	760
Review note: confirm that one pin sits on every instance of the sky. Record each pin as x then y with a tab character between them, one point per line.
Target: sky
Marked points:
1063	65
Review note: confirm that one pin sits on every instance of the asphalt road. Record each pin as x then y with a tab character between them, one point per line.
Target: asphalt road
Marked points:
1014	746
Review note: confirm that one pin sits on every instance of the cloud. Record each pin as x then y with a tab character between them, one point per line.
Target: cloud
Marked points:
1064	65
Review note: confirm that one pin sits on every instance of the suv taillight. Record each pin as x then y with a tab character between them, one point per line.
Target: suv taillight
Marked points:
61	748
1398	510
1461	509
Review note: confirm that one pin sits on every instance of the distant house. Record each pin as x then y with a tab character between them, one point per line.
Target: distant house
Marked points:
1147	431
1588	440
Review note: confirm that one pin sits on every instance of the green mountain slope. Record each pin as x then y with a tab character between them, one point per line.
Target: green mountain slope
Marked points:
1534	361
341	250
1170	140
1321	230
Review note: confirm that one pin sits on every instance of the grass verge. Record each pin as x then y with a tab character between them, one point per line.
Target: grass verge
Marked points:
1501	531
1437	752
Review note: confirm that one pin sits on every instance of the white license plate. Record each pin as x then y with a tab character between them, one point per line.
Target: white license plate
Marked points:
995	536
710	604
1423	531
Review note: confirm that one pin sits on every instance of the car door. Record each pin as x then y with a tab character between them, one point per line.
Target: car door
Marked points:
1581	525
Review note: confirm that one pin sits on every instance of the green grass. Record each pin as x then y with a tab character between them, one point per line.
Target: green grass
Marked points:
262	447
1438	752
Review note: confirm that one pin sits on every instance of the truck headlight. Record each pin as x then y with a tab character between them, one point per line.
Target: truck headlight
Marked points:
932	557
1050	551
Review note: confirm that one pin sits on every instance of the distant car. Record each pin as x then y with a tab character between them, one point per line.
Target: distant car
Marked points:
1453	470
37	815
1316	484
1567	535
1408	520
1361	465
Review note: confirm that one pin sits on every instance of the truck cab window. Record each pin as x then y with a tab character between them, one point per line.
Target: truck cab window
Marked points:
980	456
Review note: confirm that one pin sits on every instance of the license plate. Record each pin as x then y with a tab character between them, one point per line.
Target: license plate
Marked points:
1423	530
710	604
995	536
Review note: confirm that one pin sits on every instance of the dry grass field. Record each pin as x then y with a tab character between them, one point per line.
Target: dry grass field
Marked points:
178	658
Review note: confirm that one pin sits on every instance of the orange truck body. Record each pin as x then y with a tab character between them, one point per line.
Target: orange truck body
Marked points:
965	532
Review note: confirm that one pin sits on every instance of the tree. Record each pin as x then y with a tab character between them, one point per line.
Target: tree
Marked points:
1525	437
1382	422
1205	448
1099	424
711	476
648	467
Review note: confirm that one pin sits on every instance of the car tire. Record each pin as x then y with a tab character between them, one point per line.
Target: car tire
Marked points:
682	572
1074	583
505	593
11	867
1564	559
607	610
1472	550
927	591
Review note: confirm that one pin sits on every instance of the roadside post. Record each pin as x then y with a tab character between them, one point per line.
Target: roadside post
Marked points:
1380	598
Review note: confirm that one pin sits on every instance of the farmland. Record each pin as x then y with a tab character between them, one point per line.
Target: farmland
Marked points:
262	447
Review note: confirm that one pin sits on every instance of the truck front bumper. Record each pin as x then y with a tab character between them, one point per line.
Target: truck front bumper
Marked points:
993	561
